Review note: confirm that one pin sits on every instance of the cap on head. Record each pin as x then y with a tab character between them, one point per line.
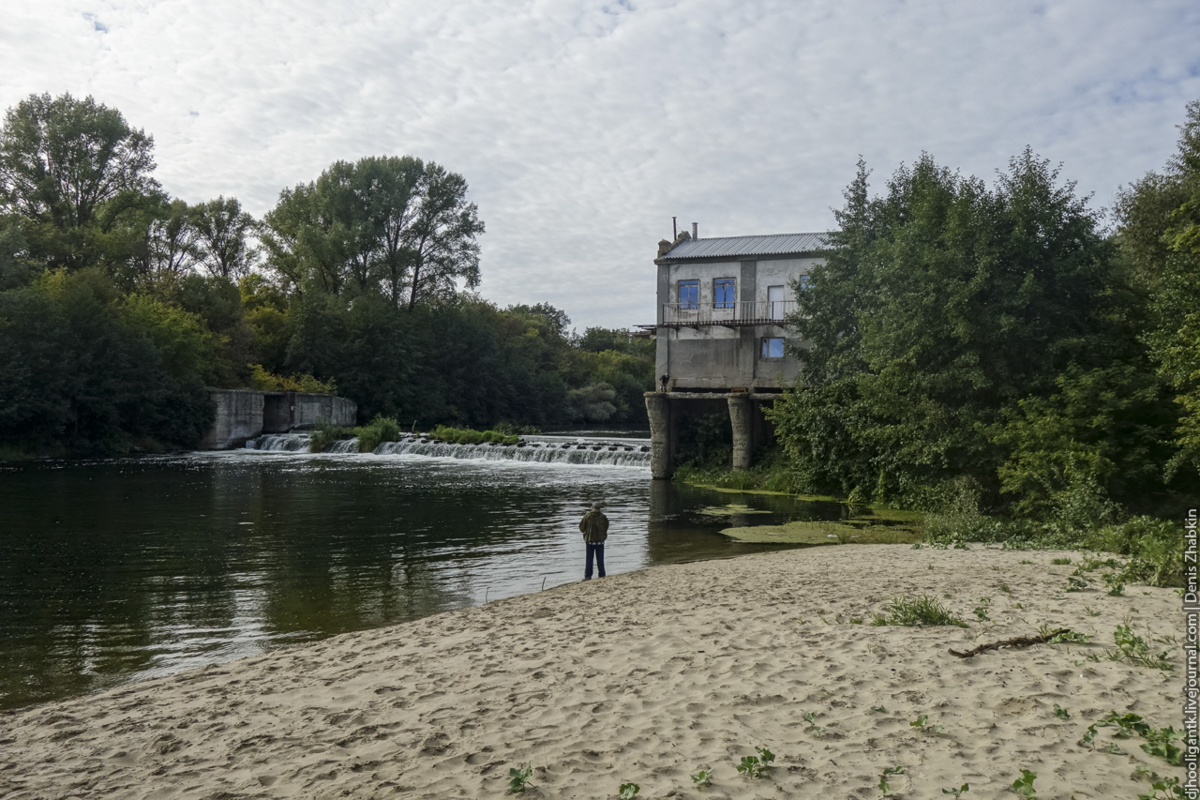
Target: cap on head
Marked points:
596	504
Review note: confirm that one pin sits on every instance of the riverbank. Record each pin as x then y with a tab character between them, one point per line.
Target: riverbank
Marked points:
648	677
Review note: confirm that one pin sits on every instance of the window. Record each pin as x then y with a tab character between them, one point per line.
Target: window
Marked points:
804	281
689	294
772	348
724	292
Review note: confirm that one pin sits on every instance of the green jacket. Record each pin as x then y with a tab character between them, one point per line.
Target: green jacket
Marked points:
594	527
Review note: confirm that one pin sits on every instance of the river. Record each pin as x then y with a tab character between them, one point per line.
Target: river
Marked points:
123	569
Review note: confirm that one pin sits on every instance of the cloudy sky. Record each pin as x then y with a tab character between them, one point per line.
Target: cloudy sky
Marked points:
583	127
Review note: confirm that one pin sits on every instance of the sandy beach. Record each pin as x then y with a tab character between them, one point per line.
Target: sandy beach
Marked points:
648	677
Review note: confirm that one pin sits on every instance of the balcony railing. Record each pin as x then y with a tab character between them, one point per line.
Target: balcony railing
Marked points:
728	315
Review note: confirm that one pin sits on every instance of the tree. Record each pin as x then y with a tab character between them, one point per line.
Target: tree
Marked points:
944	302
442	236
388	225
221	230
169	245
1160	236
63	161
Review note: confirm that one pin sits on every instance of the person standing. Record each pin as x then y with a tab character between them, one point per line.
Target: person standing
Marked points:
594	527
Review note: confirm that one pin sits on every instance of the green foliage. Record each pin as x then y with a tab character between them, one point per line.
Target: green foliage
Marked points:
268	382
80	369
1134	649
518	779
395	227
945	302
325	433
702	778
187	348
981	610
704	439
628	790
923	610
1159	236
1102	434
1024	784
380	429
1164	789
222	230
77	172
1061	712
959	792
921	723
468	436
885	788
1160	742
592	403
755	766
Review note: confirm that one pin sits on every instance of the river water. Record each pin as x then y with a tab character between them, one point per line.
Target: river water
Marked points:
123	569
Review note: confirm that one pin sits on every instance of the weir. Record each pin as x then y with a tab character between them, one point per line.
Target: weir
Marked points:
541	449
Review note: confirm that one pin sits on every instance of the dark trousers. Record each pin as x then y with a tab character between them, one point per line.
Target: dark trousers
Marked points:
595	551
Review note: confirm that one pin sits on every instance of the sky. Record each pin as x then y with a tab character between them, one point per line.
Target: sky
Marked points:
582	128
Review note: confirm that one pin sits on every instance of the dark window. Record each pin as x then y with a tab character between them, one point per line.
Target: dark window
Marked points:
689	294
772	348
724	292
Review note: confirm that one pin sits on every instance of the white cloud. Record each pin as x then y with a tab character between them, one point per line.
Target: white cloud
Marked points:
583	127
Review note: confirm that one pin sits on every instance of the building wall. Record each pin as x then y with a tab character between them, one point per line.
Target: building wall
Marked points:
715	357
244	415
239	417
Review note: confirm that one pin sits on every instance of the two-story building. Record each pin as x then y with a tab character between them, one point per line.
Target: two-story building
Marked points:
720	333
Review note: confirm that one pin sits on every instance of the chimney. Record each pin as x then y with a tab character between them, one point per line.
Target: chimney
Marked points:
695	230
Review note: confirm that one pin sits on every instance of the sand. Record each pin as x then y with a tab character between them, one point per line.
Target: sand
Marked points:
647	677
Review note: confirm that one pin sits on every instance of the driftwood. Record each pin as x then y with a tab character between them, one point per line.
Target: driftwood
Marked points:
1016	641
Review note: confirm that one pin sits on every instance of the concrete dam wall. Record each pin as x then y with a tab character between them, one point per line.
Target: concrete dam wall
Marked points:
244	414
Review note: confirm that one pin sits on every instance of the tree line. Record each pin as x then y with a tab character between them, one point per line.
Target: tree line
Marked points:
998	343
120	305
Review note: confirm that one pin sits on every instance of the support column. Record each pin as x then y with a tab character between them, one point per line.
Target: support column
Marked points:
662	435
741	417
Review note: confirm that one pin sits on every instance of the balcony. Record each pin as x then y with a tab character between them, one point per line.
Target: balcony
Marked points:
725	315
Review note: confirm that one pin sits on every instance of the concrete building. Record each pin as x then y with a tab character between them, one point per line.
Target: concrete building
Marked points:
244	414
720	333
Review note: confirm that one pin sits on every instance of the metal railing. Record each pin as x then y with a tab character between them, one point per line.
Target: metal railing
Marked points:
729	315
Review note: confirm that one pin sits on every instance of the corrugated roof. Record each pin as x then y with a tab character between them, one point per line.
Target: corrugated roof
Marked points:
745	246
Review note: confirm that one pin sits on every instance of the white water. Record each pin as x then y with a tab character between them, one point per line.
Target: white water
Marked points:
617	452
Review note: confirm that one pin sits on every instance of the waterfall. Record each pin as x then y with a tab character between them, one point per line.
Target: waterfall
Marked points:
616	452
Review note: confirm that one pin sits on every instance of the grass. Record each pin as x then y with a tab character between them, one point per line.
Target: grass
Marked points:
470	436
325	433
923	610
379	430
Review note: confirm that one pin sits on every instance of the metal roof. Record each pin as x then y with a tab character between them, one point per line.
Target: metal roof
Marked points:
744	246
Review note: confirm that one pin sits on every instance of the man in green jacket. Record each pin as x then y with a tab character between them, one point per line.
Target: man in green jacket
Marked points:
594	527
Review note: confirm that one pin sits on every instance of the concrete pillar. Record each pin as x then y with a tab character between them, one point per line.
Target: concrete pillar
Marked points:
662	435
741	417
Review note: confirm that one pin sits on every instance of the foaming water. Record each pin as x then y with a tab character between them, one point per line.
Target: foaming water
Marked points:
608	451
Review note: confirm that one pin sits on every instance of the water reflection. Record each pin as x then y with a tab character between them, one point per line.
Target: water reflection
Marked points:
135	567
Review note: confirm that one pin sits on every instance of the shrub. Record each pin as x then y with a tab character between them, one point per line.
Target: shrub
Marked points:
325	433
380	429
468	436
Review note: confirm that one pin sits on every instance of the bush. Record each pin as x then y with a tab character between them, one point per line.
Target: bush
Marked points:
468	436
1155	548
380	429
265	381
324	434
